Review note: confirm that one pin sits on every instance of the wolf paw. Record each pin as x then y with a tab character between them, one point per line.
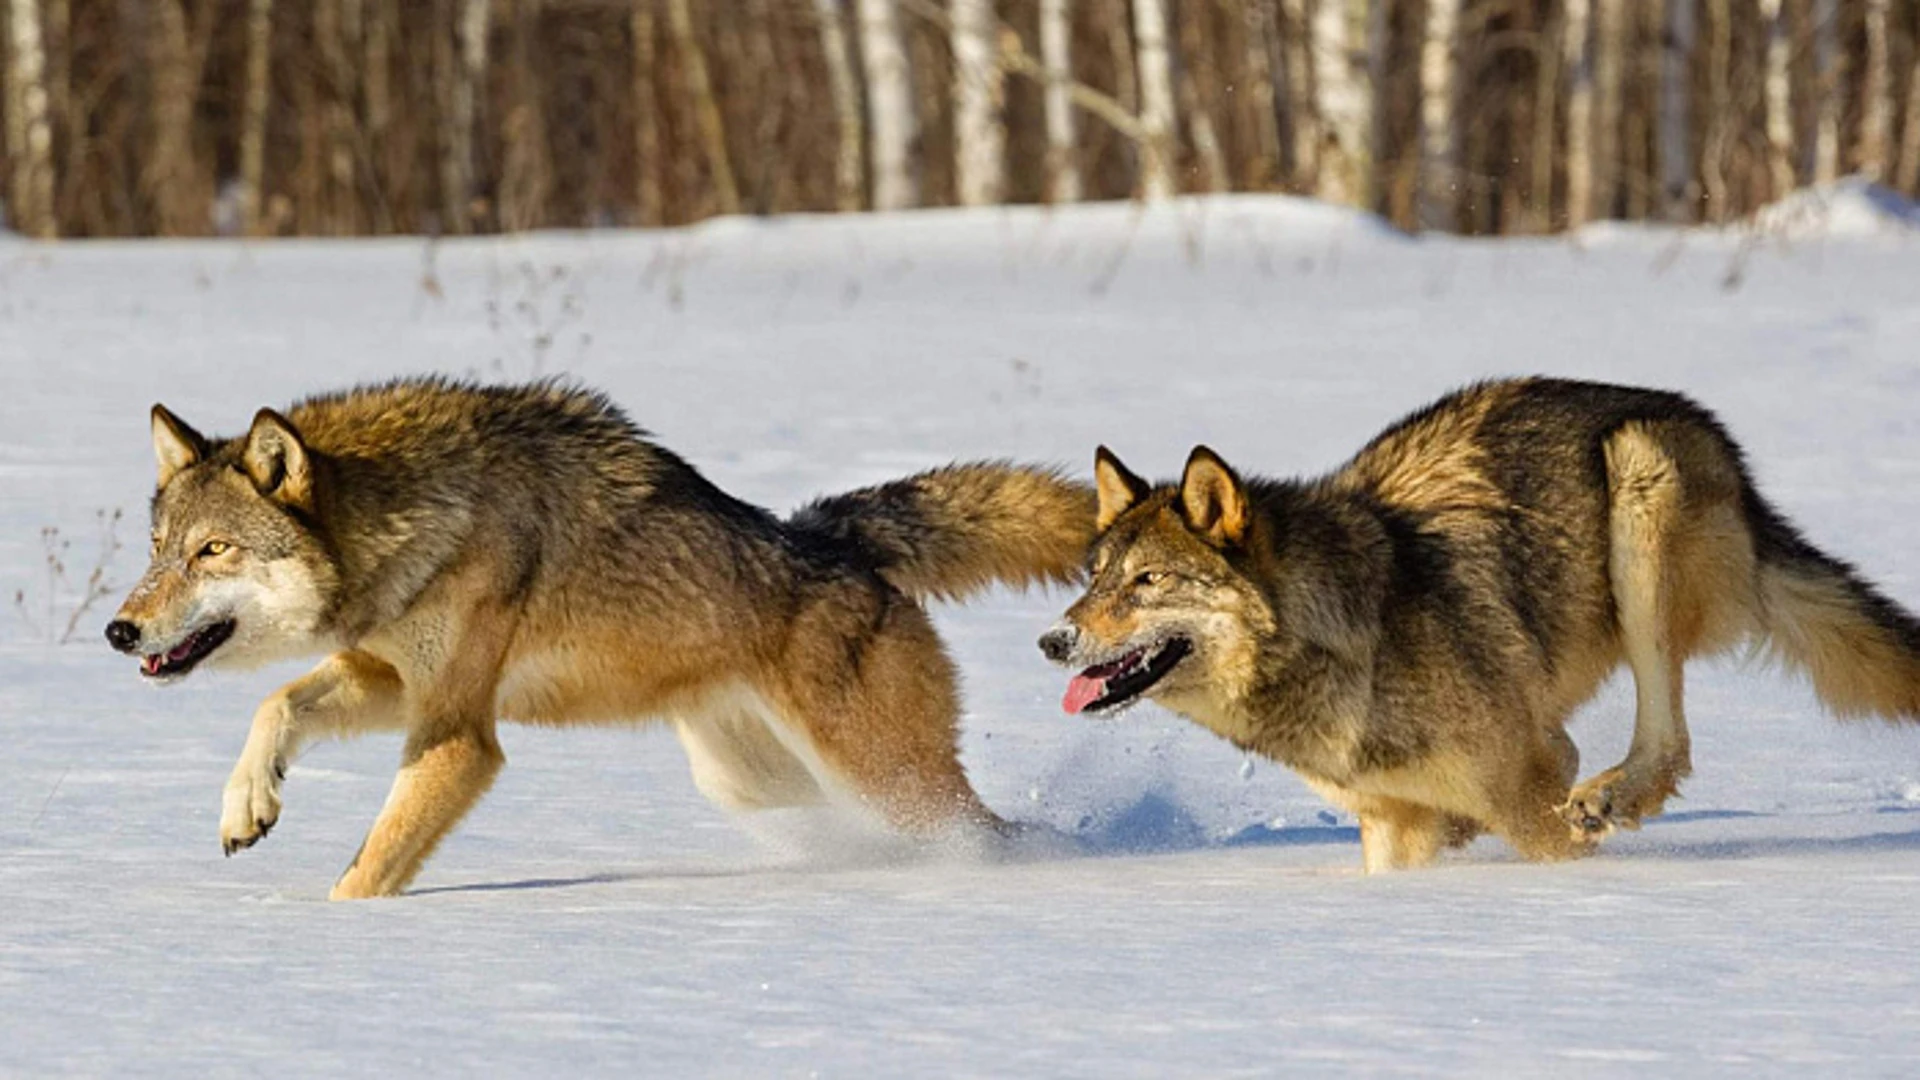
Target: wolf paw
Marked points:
250	806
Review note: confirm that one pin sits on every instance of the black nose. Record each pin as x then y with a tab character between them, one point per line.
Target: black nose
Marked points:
123	635
1057	645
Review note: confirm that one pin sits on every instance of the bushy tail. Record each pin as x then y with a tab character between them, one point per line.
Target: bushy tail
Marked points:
1861	649
951	531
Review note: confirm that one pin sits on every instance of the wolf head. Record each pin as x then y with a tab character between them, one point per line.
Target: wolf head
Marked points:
238	575
1169	612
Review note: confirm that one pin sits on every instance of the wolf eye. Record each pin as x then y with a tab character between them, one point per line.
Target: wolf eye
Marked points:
215	549
1150	577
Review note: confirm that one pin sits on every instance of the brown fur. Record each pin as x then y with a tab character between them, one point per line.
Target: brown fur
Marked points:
523	553
1413	631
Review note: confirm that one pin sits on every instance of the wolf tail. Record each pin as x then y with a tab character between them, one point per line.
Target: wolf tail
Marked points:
1861	649
951	531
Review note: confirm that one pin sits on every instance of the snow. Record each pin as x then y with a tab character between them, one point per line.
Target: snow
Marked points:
1198	915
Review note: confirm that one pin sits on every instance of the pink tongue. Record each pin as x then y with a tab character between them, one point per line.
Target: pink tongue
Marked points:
1082	692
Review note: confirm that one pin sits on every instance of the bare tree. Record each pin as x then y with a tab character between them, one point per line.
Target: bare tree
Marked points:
175	186
461	61
1610	30
1265	74
980	137
1675	133
890	111
376	94
1340	72
850	188
1303	98
29	135
1876	108
253	131
1826	79
1907	172
706	111
1779	97
649	201
1439	167
330	31
1718	136
1056	41
1197	98
1157	118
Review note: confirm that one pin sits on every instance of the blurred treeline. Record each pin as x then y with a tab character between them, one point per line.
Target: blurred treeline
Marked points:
354	117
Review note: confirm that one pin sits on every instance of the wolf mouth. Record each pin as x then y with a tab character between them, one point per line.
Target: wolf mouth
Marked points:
1107	687
182	657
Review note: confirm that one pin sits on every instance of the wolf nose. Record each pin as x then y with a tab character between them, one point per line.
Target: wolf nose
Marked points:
1057	645
123	635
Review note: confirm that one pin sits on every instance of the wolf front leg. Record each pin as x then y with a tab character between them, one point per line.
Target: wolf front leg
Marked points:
451	756
348	693
444	772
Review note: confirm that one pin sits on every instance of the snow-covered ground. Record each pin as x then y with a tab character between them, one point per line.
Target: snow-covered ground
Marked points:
595	915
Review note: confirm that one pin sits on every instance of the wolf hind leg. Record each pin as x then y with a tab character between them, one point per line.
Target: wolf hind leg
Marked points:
348	693
740	763
1399	835
884	725
1644	517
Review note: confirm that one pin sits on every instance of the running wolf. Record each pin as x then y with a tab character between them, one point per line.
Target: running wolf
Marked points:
469	553
1412	632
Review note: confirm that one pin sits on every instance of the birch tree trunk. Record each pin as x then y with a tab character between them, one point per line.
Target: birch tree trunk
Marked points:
1056	43
1826	88
1439	181
1876	108
1675	134
850	187
890	115
1779	97
29	135
1609	68
1157	118
1346	100
979	136
706	111
253	130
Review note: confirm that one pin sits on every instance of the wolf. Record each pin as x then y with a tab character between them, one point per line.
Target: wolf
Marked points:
1411	632
463	554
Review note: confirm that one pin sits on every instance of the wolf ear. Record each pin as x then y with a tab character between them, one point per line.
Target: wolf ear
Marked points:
1118	489
276	460
1213	499
176	446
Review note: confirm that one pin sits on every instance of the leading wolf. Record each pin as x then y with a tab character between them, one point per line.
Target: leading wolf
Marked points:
467	554
1412	632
